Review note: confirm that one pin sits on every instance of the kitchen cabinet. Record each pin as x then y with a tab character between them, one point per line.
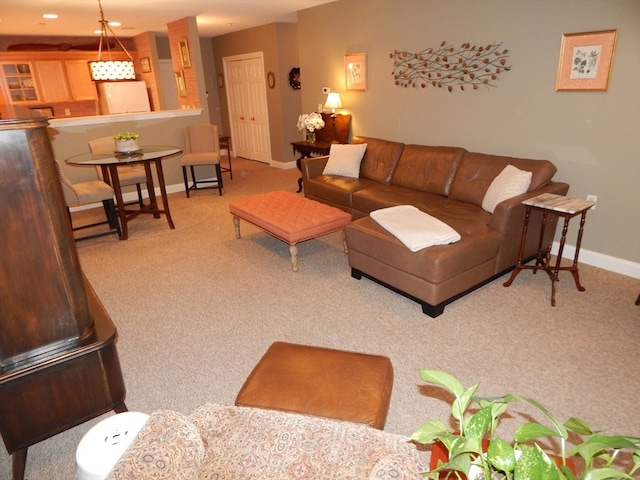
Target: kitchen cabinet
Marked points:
80	82
52	81
19	82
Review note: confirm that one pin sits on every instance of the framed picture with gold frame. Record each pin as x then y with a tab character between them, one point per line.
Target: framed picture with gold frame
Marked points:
185	57
586	60
355	71
181	85
145	65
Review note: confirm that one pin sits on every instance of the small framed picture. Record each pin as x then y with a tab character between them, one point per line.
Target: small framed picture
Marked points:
145	65
180	84
183	48
586	60
355	71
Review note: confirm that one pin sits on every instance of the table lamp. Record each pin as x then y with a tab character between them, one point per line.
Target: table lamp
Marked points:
333	102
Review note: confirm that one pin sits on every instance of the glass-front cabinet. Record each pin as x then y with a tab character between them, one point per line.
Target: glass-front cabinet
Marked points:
19	82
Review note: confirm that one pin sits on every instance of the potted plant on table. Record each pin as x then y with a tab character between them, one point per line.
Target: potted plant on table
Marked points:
126	142
474	452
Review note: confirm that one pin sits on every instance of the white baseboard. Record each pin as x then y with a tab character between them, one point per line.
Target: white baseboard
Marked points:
600	260
283	165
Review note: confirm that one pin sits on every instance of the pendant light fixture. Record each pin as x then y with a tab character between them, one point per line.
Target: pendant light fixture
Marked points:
109	69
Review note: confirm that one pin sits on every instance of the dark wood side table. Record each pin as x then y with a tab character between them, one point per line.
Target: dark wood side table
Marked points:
549	203
306	150
225	144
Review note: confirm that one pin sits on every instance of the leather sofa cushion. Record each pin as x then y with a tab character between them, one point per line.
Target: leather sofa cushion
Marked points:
380	158
335	190
382	196
477	171
426	168
479	244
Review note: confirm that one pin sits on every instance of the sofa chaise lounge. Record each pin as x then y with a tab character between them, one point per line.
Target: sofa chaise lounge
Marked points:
450	184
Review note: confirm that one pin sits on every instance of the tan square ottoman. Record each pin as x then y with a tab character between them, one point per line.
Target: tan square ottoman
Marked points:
323	382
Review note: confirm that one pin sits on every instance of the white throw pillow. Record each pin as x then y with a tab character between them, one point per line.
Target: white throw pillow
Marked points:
510	183
344	159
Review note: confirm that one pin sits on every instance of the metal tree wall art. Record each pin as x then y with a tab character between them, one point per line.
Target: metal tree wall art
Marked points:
468	66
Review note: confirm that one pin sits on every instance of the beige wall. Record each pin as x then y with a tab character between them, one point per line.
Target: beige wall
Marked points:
592	137
278	42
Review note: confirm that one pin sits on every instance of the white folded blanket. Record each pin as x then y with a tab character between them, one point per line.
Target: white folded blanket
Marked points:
414	228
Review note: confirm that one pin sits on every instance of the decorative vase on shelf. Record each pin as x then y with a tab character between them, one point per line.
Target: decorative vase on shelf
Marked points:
311	136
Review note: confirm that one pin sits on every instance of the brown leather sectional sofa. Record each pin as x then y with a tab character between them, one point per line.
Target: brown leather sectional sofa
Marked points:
448	183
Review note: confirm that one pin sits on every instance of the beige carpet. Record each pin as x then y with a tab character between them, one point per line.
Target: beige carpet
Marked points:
196	308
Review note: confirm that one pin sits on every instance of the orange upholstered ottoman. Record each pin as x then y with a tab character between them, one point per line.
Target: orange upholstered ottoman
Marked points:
323	382
289	217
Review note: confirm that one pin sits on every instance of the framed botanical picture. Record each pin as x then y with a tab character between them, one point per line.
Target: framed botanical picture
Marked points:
180	84
183	48
145	65
355	71
586	60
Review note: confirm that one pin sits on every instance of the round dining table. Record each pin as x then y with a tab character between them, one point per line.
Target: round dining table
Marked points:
147	155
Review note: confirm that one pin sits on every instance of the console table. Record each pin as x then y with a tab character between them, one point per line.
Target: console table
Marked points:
552	204
336	130
306	150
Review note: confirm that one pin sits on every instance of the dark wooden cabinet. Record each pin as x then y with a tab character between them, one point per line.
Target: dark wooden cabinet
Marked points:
59	365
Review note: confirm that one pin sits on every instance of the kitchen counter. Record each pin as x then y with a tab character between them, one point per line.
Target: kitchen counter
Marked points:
122	117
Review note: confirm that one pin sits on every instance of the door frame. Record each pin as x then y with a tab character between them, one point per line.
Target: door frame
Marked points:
235	58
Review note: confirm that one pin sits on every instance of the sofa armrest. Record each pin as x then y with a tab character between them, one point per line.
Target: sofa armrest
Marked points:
313	166
508	219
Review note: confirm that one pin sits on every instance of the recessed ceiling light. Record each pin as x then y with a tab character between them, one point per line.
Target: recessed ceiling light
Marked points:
50	15
114	24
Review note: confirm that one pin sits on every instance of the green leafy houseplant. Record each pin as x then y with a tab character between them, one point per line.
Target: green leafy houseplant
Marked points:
474	450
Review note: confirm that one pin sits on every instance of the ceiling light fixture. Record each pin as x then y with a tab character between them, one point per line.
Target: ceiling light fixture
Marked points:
110	69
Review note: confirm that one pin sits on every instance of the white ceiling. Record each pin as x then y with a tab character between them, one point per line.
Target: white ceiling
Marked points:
80	17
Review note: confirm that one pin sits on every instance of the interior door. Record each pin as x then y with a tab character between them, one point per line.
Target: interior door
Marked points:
247	100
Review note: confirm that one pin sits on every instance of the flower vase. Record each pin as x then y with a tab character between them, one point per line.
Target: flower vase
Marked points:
311	137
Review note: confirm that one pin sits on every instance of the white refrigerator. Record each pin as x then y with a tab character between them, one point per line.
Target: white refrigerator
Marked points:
123	97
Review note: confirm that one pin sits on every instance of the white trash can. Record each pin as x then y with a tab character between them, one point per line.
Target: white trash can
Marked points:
103	445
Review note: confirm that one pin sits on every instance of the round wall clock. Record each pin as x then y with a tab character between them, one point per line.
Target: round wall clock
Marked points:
294	78
271	80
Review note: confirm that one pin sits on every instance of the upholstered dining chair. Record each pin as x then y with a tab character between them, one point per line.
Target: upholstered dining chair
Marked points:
202	147
127	174
90	192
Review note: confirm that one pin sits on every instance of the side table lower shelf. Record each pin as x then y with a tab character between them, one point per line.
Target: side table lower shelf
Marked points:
561	206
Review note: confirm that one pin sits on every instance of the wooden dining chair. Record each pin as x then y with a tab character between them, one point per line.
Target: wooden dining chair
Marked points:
202	147
86	193
127	174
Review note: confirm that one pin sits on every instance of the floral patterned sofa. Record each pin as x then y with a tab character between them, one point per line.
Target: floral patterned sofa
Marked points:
228	442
